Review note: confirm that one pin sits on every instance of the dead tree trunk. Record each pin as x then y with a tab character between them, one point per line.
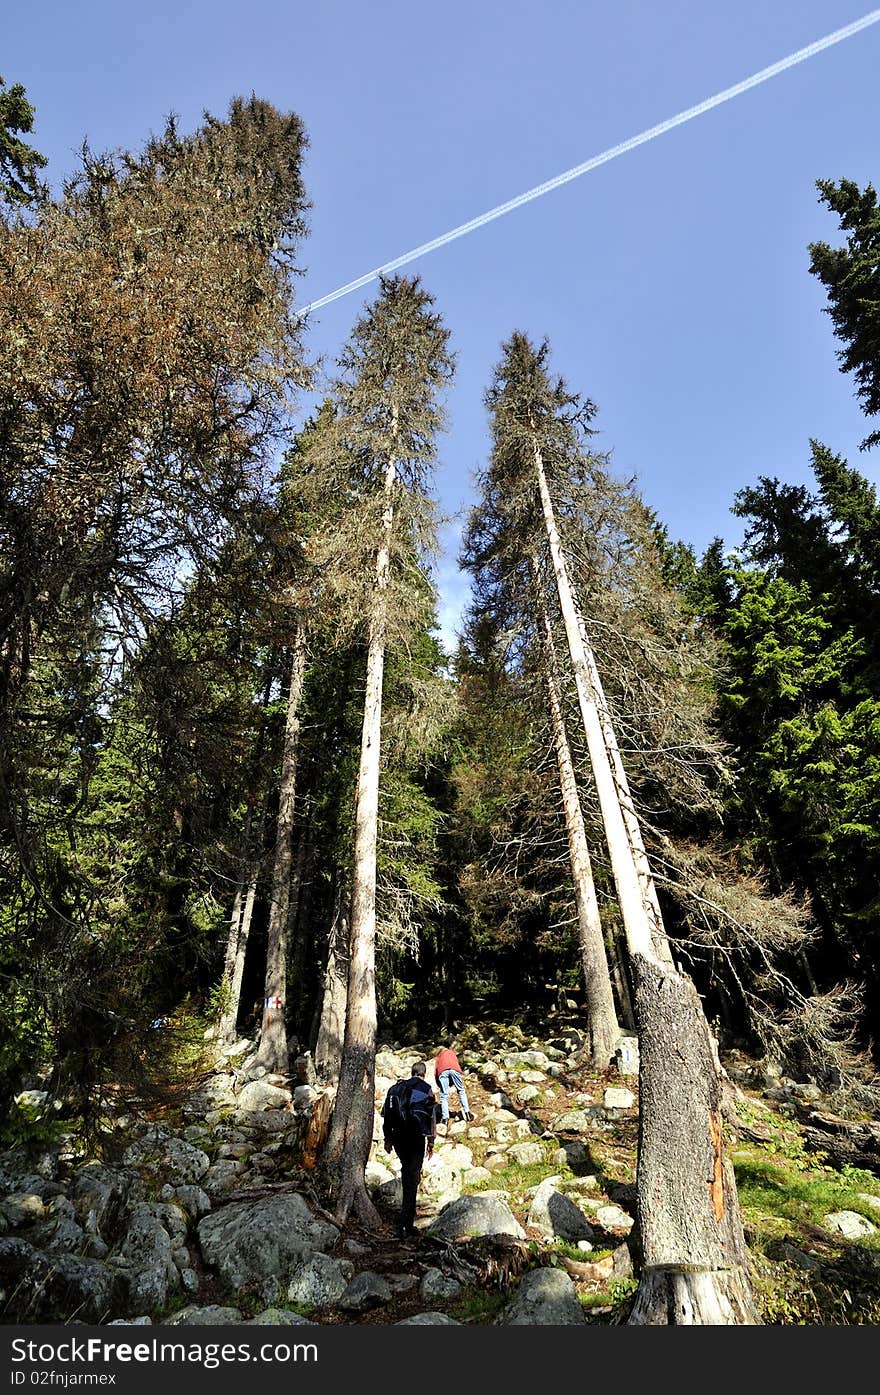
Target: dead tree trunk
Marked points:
695	1263
626	880
621	982
328	1048
236	949
351	1130
273	1037
627	809
601	1016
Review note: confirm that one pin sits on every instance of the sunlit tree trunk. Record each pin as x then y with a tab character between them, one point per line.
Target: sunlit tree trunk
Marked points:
240	928
627	809
695	1263
695	1268
273	1037
626	880
602	1019
351	1131
331	1031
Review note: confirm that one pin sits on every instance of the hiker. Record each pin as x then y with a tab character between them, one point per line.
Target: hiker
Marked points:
447	1071
409	1126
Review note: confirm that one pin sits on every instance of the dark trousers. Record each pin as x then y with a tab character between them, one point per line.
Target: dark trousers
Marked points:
410	1148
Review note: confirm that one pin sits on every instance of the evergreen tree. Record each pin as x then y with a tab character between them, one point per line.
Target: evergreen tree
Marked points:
381	450
695	1264
19	181
851	276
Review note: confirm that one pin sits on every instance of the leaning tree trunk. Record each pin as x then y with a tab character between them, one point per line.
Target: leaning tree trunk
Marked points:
328	1047
695	1266
627	809
351	1131
626	880
273	1037
621	981
602	1021
236	950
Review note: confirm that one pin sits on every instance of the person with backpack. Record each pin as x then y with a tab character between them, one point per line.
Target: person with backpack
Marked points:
447	1071
409	1127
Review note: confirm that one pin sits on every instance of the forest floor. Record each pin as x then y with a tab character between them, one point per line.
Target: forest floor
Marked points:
542	1119
806	1271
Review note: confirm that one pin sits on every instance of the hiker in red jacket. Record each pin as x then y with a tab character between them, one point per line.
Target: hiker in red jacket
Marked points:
447	1071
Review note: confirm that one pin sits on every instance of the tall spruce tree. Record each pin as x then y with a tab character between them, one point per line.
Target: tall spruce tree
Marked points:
380	450
695	1261
19	181
851	276
148	352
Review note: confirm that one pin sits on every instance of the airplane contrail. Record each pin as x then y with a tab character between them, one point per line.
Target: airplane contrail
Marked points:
727	95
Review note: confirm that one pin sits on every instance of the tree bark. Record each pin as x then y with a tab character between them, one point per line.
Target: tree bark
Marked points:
328	1048
695	1259
621	982
695	1266
627	809
626	879
351	1130
226	1031
273	1037
602	1021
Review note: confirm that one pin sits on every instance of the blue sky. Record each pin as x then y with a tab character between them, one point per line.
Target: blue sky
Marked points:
673	283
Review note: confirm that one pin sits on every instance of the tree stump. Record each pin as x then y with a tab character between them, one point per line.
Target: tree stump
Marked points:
695	1262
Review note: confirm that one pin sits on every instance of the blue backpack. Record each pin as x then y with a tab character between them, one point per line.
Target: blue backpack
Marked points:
408	1108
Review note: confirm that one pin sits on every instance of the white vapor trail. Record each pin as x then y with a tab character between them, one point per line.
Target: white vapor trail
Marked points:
764	75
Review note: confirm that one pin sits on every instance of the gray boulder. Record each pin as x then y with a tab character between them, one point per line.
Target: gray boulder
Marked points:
527	1094
539	1059
476	1215
212	1315
145	1252
544	1297
556	1216
167	1159
574	1121
194	1201
319	1281
258	1123
850	1224
616	1097
626	1056
366	1290
56	1288
99	1195
259	1244
614	1219
258	1095
426	1319
526	1153
278	1317
436	1284
573	1154
218	1092
61	1234
23	1207
222	1177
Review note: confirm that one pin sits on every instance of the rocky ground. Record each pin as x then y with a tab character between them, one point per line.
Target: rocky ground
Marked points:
526	1214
